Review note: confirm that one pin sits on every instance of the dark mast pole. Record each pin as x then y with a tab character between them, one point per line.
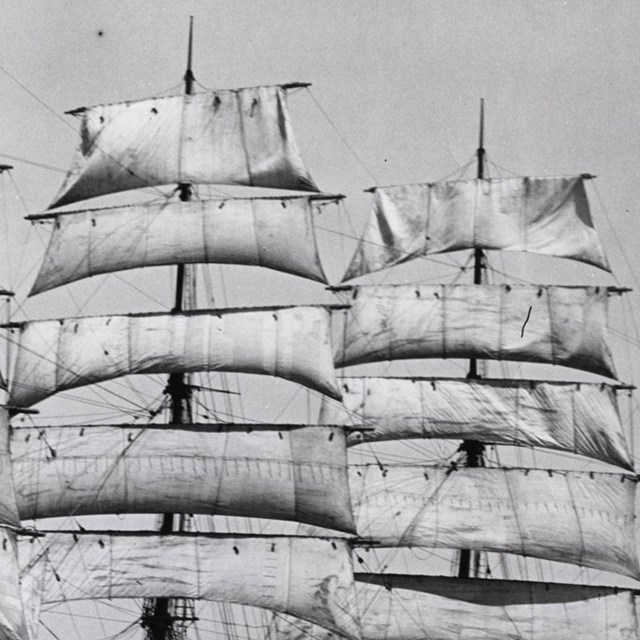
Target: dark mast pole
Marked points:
184	188
160	621
473	449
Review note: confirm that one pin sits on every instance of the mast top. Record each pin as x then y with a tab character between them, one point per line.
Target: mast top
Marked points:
481	151
188	76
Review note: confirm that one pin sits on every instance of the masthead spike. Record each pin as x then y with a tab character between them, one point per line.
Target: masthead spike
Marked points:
481	152
188	76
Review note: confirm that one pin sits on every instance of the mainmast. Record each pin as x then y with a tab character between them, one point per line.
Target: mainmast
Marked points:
160	615
474	449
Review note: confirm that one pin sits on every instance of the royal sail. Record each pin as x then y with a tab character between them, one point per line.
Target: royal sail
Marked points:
548	216
582	518
276	233
580	418
284	473
310	578
410	607
290	342
241	136
530	323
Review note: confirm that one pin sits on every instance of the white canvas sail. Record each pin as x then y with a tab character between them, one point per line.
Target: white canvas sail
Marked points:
9	517
297	473
310	578
241	136
579	418
13	622
12	619
291	343
409	607
581	518
273	233
549	216
552	324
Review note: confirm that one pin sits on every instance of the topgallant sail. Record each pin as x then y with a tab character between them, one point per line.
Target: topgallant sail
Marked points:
308	474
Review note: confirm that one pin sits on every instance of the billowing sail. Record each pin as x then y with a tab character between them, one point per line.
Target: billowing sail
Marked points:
552	324
581	518
290	342
238	136
288	473
12	619
13	622
540	215
580	418
8	506
273	233
310	578
409	607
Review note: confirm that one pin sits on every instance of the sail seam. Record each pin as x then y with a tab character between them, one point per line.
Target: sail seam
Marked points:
243	139
546	292
204	226
574	421
442	301
578	521
181	136
524	217
503	292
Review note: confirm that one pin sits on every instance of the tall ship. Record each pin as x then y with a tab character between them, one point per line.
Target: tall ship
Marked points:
458	502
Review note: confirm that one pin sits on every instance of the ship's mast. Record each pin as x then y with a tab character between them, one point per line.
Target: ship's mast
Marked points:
473	449
165	618
7	295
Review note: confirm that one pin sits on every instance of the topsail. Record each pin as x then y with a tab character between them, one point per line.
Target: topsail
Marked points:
289	473
580	418
289	342
548	324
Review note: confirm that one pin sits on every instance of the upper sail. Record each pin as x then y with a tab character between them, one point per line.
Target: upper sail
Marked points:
276	233
287	342
241	137
530	323
548	216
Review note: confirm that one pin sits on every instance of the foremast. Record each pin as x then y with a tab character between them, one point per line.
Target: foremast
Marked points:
168	618
473	450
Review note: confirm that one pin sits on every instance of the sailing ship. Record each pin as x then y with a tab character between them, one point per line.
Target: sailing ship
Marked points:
331	570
